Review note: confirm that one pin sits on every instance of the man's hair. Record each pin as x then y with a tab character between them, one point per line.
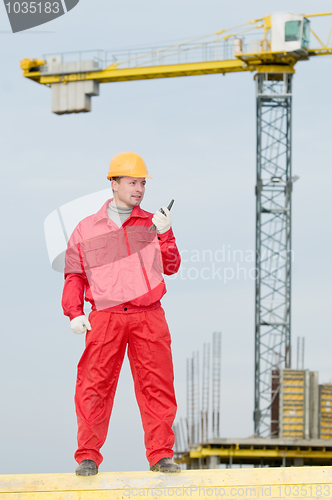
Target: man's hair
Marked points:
116	179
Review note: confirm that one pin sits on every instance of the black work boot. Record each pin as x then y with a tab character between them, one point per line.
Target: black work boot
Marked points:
166	465
87	468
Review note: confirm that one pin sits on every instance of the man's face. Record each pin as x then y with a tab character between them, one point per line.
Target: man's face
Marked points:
129	192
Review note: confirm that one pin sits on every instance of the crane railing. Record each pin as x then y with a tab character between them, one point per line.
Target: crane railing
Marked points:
156	56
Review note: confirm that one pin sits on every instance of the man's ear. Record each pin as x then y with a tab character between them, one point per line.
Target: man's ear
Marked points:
114	185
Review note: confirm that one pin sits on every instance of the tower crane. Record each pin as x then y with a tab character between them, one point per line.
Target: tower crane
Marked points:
280	41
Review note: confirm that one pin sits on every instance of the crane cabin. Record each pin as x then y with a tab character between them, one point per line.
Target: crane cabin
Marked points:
289	33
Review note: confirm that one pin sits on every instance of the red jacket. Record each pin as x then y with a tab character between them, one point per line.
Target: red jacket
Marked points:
117	269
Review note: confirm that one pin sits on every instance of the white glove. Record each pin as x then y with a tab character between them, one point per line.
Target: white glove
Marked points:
161	221
80	324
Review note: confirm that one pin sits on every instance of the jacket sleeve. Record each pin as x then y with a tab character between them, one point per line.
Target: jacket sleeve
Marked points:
169	252
75	278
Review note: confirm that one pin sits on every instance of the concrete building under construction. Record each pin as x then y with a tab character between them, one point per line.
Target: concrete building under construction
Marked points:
301	420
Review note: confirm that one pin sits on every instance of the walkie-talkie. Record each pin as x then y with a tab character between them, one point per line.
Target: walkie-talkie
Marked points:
153	227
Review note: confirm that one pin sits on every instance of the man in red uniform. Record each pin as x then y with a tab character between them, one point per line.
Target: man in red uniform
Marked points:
115	261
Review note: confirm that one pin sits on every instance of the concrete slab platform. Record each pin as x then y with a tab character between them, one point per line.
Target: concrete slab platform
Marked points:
271	483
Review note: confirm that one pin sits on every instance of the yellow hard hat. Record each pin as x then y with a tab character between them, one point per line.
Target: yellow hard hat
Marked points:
130	164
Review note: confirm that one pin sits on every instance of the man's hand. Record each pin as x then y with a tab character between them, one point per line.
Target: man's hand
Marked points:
161	221
80	324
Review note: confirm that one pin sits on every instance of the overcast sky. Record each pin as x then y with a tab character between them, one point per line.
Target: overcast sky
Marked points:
197	136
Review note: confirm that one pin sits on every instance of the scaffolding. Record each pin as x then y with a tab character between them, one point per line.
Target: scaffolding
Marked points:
193	413
198	411
205	392
216	374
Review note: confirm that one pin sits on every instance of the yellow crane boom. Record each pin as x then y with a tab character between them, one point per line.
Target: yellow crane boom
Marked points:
154	64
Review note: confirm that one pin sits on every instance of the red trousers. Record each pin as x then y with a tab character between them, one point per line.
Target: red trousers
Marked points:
149	351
